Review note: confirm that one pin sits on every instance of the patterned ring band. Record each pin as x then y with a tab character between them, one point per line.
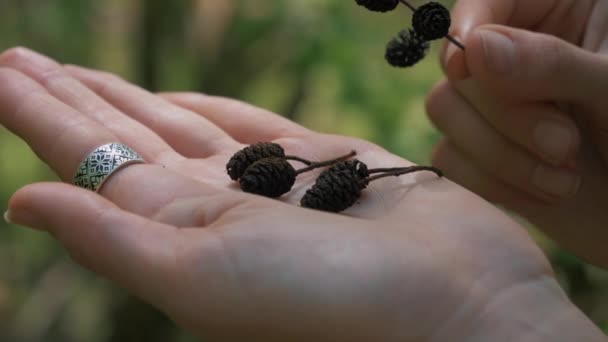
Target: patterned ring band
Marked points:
101	163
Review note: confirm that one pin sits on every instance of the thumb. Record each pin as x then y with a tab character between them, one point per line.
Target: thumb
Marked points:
519	65
130	250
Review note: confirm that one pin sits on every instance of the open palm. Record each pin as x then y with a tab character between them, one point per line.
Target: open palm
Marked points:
417	259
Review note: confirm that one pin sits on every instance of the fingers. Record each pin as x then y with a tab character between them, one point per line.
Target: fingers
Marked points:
467	15
540	128
245	123
191	135
596	37
518	65
547	16
136	253
62	137
462	170
57	133
494	154
61	85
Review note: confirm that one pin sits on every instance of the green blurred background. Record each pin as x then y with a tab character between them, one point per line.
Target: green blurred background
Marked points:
319	62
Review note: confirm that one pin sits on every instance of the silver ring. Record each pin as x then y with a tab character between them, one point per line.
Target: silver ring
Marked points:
98	165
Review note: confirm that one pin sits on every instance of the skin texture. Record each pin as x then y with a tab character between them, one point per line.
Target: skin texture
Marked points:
418	259
559	75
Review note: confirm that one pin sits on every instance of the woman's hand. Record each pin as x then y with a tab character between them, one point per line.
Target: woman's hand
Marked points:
524	113
418	259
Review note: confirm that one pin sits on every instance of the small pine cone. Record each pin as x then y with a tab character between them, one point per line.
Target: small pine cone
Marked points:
378	5
270	177
241	160
406	50
432	21
338	187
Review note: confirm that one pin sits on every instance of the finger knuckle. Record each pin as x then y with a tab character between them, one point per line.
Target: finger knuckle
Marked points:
104	87
499	159
435	103
552	55
33	102
56	78
13	54
439	154
73	127
111	77
8	75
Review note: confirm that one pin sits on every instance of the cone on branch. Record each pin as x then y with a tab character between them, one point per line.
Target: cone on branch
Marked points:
407	49
432	21
378	5
340	186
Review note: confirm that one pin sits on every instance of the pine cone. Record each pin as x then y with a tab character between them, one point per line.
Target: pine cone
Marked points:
338	187
379	5
432	21
244	158
406	50
270	177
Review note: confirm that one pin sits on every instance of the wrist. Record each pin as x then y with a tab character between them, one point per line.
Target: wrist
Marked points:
537	311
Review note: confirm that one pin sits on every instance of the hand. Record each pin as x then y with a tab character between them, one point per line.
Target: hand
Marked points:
418	259
526	123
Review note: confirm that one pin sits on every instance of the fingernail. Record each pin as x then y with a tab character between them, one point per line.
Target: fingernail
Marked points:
24	218
554	139
7	216
556	182
500	52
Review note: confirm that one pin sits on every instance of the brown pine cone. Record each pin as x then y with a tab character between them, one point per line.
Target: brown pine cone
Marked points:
270	177
432	21
406	50
244	158
338	187
378	5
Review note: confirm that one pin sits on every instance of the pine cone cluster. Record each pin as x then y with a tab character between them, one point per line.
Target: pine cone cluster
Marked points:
335	190
263	169
430	21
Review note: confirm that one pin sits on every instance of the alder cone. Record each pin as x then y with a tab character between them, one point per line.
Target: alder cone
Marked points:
338	187
241	160
432	21
406	50
270	177
378	5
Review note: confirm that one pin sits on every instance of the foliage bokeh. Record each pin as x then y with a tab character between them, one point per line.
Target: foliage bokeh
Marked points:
318	62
